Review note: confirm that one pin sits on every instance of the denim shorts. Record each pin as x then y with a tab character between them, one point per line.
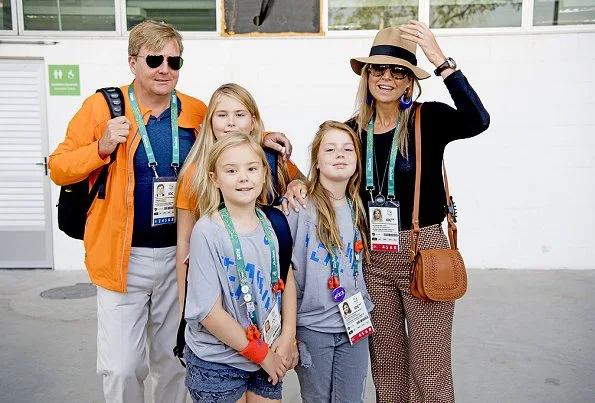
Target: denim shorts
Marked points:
211	382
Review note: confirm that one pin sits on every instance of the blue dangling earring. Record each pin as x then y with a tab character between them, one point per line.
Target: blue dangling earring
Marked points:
406	103
369	98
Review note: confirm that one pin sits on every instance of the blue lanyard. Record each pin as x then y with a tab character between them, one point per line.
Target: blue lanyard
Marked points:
370	159
241	264
175	143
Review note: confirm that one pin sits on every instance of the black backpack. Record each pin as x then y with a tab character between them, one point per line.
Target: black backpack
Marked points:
75	199
283	233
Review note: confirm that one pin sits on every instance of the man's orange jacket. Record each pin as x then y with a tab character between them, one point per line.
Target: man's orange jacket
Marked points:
108	231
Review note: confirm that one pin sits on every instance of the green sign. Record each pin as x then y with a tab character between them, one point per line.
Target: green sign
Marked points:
64	79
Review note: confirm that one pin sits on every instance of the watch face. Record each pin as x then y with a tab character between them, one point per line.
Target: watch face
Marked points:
449	63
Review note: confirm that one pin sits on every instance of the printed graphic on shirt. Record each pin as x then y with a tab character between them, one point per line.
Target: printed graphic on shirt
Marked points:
316	308
260	283
322	257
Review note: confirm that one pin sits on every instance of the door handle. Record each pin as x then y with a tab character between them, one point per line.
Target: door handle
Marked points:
44	164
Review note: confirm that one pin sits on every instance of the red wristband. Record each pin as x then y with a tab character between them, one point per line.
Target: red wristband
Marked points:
255	351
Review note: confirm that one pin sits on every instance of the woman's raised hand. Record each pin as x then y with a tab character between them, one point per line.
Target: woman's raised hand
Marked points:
419	33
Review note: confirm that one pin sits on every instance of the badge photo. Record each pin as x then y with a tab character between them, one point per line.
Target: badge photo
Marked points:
164	191
384	223
356	318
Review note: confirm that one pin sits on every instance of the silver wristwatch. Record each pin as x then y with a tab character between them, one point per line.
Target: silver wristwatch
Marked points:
449	63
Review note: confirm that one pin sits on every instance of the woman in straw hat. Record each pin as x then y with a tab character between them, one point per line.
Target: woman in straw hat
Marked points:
413	364
410	364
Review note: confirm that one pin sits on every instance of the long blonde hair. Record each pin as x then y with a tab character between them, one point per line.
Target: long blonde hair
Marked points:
365	109
328	230
210	198
193	173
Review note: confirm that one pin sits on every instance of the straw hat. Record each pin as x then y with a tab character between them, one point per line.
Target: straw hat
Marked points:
390	48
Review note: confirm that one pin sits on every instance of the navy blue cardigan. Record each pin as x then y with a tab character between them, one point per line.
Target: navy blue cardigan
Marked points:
440	124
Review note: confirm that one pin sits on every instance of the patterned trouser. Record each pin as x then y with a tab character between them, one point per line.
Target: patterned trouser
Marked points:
409	363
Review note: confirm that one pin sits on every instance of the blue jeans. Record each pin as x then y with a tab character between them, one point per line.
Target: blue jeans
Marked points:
211	382
330	368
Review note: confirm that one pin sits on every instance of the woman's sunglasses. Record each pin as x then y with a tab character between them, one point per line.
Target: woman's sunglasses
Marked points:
396	71
154	61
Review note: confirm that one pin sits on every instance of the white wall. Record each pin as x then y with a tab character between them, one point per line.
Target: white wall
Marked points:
523	188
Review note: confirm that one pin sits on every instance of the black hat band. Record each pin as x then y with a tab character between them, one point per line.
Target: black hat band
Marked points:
394	51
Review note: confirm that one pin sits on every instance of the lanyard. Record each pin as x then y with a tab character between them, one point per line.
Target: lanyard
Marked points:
335	254
241	265
145	137
370	159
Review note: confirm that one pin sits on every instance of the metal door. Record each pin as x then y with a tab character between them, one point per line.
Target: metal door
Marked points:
25	203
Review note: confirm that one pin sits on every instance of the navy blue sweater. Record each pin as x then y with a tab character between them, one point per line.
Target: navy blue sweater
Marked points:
440	124
159	131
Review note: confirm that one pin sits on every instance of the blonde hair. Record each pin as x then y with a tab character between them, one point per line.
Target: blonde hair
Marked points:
365	110
327	228
154	35
193	172
210	198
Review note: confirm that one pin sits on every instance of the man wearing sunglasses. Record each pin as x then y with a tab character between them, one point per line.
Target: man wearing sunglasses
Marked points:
130	235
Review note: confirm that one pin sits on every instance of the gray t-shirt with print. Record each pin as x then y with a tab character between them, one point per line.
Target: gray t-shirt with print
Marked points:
311	263
212	272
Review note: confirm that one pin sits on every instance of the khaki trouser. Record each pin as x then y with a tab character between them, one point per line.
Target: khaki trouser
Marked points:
136	331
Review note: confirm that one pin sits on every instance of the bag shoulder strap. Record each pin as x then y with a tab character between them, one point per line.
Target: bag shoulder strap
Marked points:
272	156
181	334
283	233
452	228
115	102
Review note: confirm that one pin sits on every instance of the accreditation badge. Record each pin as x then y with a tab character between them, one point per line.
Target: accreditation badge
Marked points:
163	206
356	318
271	328
385	224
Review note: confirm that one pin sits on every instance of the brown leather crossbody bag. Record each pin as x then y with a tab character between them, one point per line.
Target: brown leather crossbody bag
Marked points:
436	274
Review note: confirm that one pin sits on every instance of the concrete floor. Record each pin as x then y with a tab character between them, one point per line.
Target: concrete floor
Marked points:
519	336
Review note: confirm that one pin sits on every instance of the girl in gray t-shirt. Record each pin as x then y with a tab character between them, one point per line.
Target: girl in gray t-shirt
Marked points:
329	245
234	307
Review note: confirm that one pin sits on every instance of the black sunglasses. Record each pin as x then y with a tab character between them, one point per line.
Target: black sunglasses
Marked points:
154	61
398	72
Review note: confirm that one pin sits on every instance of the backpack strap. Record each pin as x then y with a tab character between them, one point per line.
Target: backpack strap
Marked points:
181	335
115	102
283	233
272	156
